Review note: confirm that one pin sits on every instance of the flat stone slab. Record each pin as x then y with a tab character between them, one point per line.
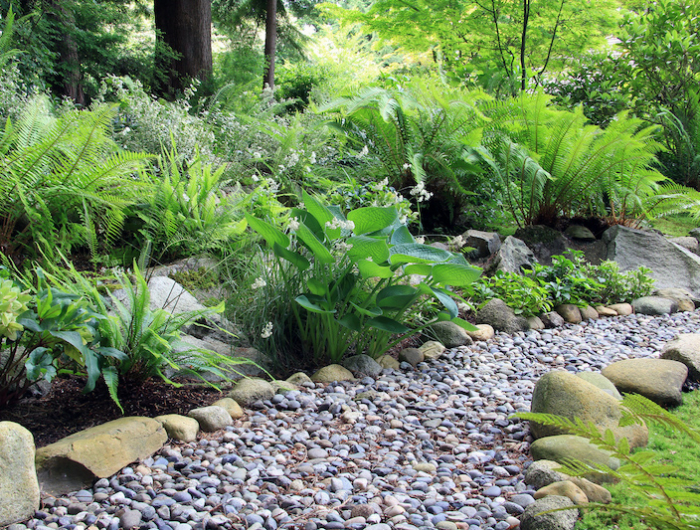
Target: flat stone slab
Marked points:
98	452
659	380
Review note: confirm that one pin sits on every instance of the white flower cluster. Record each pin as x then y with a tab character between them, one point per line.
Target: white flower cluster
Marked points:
258	283
420	193
339	223
293	225
420	240
266	331
364	152
342	246
458	242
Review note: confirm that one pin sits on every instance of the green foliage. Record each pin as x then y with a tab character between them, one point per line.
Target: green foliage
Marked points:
63	183
524	295
550	164
669	501
615	286
352	273
420	138
566	280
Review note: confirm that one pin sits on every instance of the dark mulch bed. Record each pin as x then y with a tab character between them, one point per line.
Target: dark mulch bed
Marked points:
66	410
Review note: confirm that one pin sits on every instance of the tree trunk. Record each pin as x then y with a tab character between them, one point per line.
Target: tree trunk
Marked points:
69	59
185	27
270	44
523	68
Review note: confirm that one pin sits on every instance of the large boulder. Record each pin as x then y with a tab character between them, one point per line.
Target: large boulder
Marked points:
685	348
249	361
654	305
332	373
687	242
563	394
19	488
671	264
544	242
686	301
535	519
483	243
603	383
513	256
501	317
659	380
450	334
76	461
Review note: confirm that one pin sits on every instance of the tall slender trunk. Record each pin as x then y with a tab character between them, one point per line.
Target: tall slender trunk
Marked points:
270	44
69	58
185	27
523	70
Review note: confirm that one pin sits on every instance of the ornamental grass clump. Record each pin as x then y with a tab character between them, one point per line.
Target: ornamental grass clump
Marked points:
346	280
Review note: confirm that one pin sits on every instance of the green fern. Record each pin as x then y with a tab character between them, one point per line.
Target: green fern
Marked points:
670	502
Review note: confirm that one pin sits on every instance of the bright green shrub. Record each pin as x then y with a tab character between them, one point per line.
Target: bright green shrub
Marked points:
616	286
524	295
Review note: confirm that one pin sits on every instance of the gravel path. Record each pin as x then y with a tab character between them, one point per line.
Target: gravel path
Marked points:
424	448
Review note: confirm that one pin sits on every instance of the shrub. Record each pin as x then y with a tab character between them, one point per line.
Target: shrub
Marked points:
522	294
616	286
566	280
353	276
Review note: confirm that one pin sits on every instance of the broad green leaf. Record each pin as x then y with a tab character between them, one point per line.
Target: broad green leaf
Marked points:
454	274
364	247
373	311
316	287
296	259
321	213
71	337
447	301
303	301
310	221
464	324
402	236
387	324
320	252
419	269
372	219
396	296
351	322
269	232
369	269
415	253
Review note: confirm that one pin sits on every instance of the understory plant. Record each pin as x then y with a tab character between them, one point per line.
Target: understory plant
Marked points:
524	295
670	502
346	280
566	280
617	286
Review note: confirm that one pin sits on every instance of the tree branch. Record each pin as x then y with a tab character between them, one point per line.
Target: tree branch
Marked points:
551	42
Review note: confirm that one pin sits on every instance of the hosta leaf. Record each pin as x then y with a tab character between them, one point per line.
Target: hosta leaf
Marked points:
351	322
269	232
402	236
447	301
415	253
320	252
372	219
419	269
303	301
373	311
396	296
298	260
454	274
364	247
369	269
386	324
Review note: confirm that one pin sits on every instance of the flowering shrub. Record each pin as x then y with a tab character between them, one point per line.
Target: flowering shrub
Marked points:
354	276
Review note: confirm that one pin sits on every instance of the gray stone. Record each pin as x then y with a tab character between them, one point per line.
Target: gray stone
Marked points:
299	379
75	461
686	301
513	256
542	473
659	380
602	382
363	365
248	391
623	308
231	406
689	243
387	361
588	313
501	317
432	349
671	265
412	356
544	242
19	488
450	334
685	348
654	305
579	232
129	519
552	319
535	322
483	243
561	520
211	418
485	332
567	446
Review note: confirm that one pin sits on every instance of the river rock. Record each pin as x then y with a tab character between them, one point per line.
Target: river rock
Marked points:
483	243
535	322
659	380
685	348
450	334
579	232
543	472
604	311
687	242
654	305
588	313
570	313
76	460
363	365
248	391
565	488
332	373
432	349
561	520
594	492
552	319
179	428
19	488
567	446
485	332
623	309
501	317
298	379
602	382
412	356
387	361
681	296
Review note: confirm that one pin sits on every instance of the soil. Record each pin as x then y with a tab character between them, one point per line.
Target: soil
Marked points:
66	410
